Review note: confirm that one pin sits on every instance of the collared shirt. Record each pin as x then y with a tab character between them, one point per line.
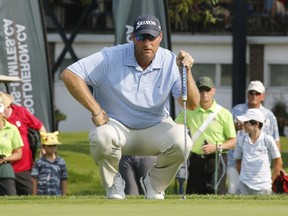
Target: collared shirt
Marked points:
49	175
220	129
270	126
136	98
10	139
255	164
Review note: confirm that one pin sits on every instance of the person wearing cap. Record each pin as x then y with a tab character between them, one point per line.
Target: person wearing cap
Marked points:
10	151
22	119
213	132
132	84
255	98
253	152
49	172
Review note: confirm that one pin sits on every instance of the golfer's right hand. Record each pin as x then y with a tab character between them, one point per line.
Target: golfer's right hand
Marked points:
100	119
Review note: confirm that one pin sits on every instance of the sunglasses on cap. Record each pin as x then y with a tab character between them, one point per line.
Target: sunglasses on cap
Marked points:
143	37
254	93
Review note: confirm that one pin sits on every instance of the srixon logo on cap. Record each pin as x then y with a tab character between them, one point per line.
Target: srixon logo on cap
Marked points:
146	22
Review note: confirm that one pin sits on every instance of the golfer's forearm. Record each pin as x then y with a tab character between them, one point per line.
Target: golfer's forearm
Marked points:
192	92
80	91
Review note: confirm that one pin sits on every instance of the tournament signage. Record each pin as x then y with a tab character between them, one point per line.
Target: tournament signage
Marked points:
23	55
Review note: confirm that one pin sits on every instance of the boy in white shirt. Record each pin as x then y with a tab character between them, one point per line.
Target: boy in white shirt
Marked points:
253	152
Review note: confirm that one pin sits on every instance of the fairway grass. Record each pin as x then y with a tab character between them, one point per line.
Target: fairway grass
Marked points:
172	206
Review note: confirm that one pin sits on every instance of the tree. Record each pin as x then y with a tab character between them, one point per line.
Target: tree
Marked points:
184	14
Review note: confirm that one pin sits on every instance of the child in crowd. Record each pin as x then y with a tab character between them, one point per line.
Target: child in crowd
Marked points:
253	153
49	173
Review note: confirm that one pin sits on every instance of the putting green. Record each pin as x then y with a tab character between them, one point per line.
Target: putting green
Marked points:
172	206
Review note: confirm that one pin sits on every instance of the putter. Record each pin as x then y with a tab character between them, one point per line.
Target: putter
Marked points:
184	98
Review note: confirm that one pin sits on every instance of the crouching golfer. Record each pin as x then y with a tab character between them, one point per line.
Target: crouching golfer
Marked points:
130	106
253	152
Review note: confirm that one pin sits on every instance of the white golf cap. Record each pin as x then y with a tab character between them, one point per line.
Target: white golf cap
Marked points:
252	114
256	86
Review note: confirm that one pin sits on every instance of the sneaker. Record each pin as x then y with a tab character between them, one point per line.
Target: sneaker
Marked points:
116	191
149	192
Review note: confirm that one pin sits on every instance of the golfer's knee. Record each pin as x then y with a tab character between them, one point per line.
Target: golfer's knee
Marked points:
180	152
100	143
184	146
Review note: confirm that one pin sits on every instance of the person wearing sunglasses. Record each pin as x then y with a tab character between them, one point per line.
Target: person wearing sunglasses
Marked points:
132	84
255	98
217	135
253	153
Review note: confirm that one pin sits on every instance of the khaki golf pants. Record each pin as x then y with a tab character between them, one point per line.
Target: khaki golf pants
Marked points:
166	140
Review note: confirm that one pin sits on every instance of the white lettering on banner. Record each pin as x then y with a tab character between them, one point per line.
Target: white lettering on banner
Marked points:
128	33
18	63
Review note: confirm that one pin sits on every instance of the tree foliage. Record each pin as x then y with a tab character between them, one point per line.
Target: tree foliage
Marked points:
183	13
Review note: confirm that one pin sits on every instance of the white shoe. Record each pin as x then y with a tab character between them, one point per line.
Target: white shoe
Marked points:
149	192
116	191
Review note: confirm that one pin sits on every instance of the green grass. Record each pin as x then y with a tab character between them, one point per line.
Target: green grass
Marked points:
171	206
86	196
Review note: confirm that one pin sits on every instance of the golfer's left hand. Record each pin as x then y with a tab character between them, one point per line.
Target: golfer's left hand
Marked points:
101	119
184	59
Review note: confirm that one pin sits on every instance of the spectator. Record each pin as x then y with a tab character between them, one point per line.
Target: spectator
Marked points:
132	84
256	95
253	152
212	129
10	150
22	119
49	173
132	168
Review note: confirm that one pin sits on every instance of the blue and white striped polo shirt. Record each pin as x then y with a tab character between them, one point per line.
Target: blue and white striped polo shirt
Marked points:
136	98
255	164
270	126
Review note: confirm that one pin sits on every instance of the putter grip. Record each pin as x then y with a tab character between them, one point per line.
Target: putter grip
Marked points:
184	83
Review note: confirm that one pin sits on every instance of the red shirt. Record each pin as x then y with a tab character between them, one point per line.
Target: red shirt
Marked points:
23	119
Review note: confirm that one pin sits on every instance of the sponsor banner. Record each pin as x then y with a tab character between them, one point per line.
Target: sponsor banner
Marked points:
23	54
